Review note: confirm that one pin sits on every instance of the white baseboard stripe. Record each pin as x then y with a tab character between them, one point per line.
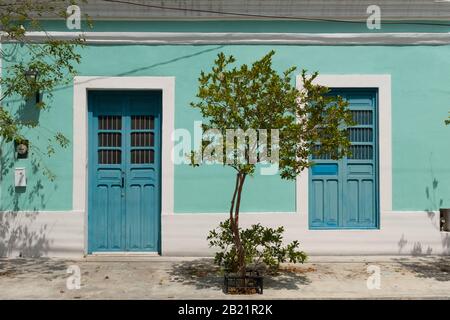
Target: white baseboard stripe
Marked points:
62	234
404	233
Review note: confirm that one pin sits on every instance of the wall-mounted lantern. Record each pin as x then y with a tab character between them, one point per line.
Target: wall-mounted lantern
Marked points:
31	76
21	147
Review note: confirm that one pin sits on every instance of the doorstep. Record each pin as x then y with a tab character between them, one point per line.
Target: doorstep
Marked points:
133	257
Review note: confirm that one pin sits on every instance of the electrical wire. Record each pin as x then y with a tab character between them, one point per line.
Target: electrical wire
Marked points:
274	17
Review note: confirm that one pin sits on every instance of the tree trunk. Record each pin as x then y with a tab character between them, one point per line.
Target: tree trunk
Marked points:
233	200
234	222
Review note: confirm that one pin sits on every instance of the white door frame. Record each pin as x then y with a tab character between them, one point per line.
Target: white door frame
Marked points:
80	134
383	84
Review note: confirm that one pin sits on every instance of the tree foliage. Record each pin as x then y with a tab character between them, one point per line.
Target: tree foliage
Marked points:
257	97
263	247
309	122
53	60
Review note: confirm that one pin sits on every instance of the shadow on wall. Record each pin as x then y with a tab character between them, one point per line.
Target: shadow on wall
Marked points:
28	114
19	231
445	239
431	193
144	68
417	249
18	235
435	202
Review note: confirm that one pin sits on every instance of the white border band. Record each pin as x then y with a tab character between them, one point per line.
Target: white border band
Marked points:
383	84
157	38
80	130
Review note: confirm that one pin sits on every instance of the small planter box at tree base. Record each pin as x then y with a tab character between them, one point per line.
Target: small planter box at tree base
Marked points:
251	283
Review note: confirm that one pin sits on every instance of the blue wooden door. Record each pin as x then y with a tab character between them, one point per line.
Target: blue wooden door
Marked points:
124	171
344	194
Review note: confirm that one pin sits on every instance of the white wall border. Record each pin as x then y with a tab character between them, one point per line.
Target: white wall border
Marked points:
80	133
383	84
396	38
35	234
403	233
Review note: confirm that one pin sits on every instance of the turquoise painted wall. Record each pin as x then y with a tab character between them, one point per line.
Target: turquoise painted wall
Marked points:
420	103
41	193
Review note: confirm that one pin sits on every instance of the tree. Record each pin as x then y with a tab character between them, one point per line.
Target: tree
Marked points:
308	122
38	68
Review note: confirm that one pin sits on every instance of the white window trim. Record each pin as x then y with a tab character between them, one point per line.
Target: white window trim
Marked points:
383	84
80	133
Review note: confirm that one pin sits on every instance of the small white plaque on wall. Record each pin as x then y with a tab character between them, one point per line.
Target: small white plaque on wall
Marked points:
20	178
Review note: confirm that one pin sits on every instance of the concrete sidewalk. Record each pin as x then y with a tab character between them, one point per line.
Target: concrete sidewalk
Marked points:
107	277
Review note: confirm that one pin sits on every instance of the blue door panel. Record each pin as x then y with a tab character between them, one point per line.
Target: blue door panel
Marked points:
367	202
101	217
134	210
325	200
316	200
350	203
325	169
149	241
332	202
124	171
344	193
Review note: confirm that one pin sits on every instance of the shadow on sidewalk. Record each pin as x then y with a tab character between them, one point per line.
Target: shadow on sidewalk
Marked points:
203	274
437	268
41	267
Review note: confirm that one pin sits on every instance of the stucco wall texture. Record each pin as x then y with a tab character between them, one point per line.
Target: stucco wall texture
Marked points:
420	78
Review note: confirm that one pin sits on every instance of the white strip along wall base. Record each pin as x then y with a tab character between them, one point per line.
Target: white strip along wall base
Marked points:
61	234
401	233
